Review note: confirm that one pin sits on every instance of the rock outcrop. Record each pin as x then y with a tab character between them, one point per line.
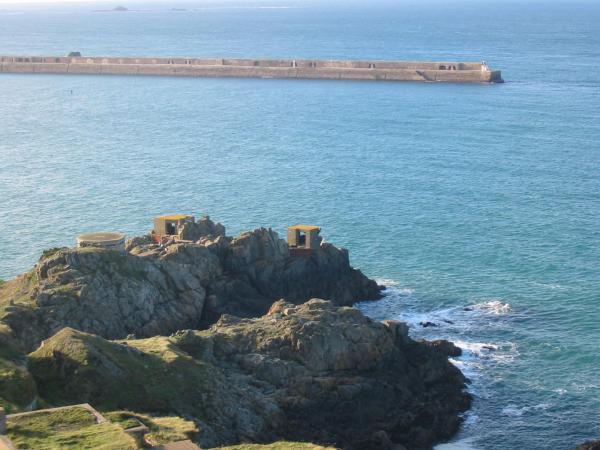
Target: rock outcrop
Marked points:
310	372
589	445
105	327
157	289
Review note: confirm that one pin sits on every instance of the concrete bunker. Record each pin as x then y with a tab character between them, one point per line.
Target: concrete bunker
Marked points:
102	239
169	227
303	239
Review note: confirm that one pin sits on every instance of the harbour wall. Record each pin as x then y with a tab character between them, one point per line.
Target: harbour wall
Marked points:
466	72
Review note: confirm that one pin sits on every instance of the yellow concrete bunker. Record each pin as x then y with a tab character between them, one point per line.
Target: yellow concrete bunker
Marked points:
303	239
169	227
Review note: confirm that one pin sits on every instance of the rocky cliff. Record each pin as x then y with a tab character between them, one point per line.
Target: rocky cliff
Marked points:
313	372
105	327
156	290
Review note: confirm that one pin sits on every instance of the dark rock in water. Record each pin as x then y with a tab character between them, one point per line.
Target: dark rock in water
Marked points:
446	347
467	308
589	445
489	348
428	324
311	372
155	290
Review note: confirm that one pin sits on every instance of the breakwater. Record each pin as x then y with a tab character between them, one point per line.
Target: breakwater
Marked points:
459	72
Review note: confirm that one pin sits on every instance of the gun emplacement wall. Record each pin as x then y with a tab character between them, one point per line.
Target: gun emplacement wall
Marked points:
460	72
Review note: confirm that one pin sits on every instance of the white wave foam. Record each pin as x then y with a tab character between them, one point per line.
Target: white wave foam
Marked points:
387	282
551	286
494	306
393	287
584	387
463	444
469	418
476	348
461	324
516	411
504	352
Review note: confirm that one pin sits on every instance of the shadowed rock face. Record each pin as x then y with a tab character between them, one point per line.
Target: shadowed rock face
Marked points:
311	372
155	290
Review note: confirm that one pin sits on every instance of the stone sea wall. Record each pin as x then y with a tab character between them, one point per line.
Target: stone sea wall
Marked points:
255	68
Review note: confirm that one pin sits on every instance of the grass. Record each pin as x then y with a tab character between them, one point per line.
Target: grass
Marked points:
162	430
170	429
282	445
17	388
125	419
18	290
9	349
51	252
147	375
74	428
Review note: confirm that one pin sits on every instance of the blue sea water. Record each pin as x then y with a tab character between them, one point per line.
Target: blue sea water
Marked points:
478	205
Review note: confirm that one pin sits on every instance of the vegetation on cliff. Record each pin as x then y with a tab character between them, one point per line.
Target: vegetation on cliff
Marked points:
73	427
280	445
161	430
17	387
139	375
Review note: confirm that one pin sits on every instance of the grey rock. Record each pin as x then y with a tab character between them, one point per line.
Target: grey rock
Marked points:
311	372
158	289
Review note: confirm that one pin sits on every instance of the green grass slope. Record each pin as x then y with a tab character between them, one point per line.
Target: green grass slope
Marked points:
147	375
161	430
74	428
283	445
17	387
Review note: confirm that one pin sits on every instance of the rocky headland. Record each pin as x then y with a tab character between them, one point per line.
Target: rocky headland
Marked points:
197	329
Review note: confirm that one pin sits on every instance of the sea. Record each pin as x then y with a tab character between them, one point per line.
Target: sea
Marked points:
478	206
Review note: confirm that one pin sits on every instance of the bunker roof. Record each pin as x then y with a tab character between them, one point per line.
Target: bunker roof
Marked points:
102	236
301	227
174	217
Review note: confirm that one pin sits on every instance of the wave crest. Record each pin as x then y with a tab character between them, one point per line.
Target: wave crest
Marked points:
494	306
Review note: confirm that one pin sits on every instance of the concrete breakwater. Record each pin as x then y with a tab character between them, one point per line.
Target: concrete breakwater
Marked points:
460	72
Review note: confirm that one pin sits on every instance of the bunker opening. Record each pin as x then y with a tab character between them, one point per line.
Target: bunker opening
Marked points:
303	239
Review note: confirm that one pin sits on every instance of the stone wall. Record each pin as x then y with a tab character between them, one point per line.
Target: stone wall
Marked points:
251	68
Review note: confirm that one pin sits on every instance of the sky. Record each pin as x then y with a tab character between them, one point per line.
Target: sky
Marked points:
115	2
112	3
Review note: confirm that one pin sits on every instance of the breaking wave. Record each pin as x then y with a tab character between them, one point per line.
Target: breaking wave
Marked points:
478	327
493	307
515	410
462	324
